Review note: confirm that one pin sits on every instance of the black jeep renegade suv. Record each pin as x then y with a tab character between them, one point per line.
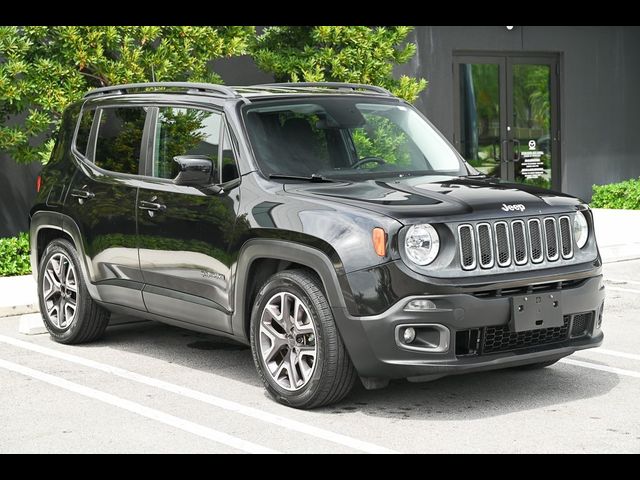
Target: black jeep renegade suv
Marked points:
329	226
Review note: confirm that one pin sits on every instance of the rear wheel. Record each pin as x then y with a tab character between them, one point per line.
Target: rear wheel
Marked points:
69	313
296	346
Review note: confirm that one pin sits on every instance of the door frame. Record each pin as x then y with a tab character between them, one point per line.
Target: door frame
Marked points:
505	60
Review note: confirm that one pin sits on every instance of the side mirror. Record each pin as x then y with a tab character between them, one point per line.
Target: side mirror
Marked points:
195	170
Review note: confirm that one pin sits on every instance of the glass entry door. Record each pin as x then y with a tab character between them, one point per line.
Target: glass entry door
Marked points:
506	122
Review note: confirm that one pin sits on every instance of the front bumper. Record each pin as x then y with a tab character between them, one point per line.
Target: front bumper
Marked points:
375	352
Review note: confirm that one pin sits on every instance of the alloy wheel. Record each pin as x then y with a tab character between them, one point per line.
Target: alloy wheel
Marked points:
288	341
60	291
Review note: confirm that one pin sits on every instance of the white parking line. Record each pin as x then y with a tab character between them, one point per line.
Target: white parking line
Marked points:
133	407
604	368
206	398
615	280
618	289
613	353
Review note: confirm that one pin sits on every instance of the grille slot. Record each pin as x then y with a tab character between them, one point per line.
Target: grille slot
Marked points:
581	324
519	242
467	247
535	240
551	239
503	247
485	245
566	237
500	339
504	243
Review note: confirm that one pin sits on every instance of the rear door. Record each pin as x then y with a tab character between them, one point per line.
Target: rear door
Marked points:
184	231
102	199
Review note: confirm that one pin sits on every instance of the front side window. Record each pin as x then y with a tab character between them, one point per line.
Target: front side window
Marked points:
119	139
184	131
338	137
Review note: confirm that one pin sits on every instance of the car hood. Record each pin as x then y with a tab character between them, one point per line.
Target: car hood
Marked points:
410	198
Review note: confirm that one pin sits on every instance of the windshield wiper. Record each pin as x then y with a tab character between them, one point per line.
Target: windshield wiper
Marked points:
313	178
479	175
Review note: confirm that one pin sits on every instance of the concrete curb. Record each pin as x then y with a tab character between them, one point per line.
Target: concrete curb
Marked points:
18	296
14	310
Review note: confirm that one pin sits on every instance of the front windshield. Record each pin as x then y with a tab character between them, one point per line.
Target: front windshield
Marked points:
336	137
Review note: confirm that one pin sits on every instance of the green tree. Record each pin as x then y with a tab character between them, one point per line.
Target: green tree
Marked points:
44	68
357	54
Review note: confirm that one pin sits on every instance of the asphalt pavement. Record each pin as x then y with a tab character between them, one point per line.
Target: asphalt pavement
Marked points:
148	387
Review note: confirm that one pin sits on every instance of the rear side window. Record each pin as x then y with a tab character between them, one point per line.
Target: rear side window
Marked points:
119	139
84	130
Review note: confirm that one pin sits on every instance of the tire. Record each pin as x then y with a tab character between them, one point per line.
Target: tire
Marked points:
89	320
331	375
539	365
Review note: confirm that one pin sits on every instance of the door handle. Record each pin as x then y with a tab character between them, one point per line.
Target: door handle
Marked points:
151	206
82	194
516	151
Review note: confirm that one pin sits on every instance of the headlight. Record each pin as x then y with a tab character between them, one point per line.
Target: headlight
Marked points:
580	229
422	244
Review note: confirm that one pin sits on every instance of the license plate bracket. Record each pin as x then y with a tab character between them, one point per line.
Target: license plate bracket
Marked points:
536	311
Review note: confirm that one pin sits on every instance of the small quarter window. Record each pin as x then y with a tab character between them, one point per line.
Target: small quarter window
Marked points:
229	165
84	130
119	139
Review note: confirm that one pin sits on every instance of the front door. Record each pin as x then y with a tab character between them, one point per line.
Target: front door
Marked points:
506	121
184	232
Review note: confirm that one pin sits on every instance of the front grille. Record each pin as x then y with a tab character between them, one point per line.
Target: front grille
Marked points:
519	242
529	289
504	243
498	338
535	240
485	245
467	247
566	237
581	324
503	247
551	238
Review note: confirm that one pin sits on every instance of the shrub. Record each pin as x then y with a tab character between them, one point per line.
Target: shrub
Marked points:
623	195
14	256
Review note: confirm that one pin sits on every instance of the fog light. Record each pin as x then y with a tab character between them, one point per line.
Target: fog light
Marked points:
419	305
409	335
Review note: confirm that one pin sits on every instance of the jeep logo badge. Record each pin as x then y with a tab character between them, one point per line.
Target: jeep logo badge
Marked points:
518	207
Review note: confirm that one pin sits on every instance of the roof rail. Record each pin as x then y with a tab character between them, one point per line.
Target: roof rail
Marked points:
336	85
127	88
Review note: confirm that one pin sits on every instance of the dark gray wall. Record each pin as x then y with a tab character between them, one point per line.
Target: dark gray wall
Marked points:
600	69
17	191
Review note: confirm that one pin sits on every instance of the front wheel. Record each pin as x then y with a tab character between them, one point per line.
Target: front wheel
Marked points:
296	346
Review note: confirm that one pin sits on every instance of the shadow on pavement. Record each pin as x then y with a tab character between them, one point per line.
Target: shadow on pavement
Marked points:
471	396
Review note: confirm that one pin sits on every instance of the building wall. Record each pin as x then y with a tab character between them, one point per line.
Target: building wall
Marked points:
17	192
600	68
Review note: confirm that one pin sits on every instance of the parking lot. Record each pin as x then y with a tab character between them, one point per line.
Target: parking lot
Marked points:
152	388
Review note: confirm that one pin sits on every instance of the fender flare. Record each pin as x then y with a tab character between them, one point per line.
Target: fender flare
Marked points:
281	250
46	219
